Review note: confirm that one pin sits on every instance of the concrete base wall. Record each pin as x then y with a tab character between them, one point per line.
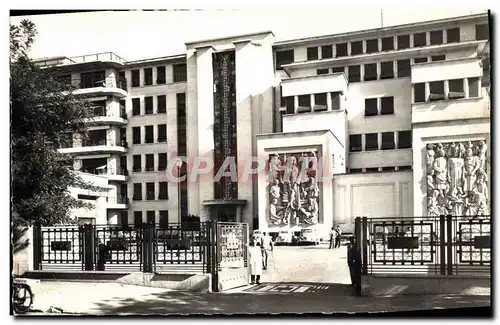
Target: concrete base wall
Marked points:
430	285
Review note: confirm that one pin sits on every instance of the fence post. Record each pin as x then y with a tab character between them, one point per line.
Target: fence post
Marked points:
449	244
37	246
357	255
442	240
364	234
146	250
88	247
214	256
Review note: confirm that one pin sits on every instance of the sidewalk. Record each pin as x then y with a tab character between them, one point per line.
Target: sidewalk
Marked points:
113	299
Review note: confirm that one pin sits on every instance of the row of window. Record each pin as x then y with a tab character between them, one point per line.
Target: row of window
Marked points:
456	90
151	217
179	75
150	162
148	130
378	169
374	45
372	141
150	191
379	106
161	105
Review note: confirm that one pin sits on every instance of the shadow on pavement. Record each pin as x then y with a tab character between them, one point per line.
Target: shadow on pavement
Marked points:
303	287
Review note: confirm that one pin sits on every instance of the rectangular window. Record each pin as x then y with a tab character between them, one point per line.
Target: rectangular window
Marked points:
419	39
371	72
162	161
150	162
436	90
149	134
123	218
327	51
403	42
419	93
123	165
372	170
123	109
136	135
372	46
387	70
404	68
354	73
371	141
161	75
136	79
138	218
163	195
320	99
404	168
473	87
341	50
148	105
137	163
148	76
93	79
438	58
436	37
357	48
321	71
150	217
290	105
456	89
180	72
482	32
355	170
163	219
312	53
453	35
355	142
137	191
284	57
150	191
371	107
420	60
305	101
338	70
388	169
162	103
387	105
404	139
162	133
136	106
387	43
388	141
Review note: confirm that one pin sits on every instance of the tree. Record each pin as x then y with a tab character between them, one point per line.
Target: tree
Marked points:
44	112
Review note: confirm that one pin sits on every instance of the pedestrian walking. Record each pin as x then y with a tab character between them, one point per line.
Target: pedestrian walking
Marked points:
332	238
337	236
255	261
266	246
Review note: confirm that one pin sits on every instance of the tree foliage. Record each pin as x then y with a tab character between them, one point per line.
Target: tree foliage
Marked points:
43	113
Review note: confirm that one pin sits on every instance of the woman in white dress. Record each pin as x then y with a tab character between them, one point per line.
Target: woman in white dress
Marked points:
255	261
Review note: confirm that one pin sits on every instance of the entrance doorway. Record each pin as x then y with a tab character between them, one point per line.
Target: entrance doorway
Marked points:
224	213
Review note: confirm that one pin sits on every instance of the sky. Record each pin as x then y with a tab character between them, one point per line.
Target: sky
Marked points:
136	35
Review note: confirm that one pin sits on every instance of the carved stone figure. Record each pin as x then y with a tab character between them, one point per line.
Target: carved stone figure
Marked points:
455	170
482	154
430	158
275	168
275	190
440	171
310	213
433	205
273	212
471	166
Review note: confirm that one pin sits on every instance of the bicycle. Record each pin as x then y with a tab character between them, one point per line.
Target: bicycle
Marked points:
22	296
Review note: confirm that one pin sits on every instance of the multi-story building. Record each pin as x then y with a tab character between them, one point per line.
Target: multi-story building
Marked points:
391	112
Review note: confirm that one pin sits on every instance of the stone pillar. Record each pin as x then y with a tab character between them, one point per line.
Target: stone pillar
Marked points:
427	91
446	89
295	104
396	139
312	102
329	101
412	41
379	140
363	142
427	38
379	69
362	71
466	88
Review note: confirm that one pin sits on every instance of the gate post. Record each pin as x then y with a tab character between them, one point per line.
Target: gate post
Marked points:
442	240
88	246
213	249
37	246
357	256
147	247
364	233
449	244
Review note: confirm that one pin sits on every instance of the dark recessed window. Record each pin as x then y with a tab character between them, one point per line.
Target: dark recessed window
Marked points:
372	170
388	169
436	90
138	218
162	103
162	161
453	35
290	105
355	142
473	87
387	105
180	72
403	42
150	191
161	75
456	89
136	106
136	163
372	46
354	73
370	72
326	52
284	57
341	50
388	141
438	58
136	135
136	79
305	101
404	168
150	162
436	37
357	48
149	134
338	70
150	217
387	43
371	141
420	60
404	68
312	53
124	218
163	219
419	93
355	170
148	105
482	32
163	191
321	71
162	133
137	192
148	76
387	70
404	139
320	99
419	39
371	107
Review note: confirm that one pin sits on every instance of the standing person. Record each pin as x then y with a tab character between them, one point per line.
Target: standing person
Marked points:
332	238
255	261
337	236
266	246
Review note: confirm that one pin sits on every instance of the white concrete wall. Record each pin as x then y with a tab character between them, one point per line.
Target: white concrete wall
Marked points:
449	69
99	212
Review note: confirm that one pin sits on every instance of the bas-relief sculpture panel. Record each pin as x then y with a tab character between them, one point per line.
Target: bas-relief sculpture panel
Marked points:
457	179
293	189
